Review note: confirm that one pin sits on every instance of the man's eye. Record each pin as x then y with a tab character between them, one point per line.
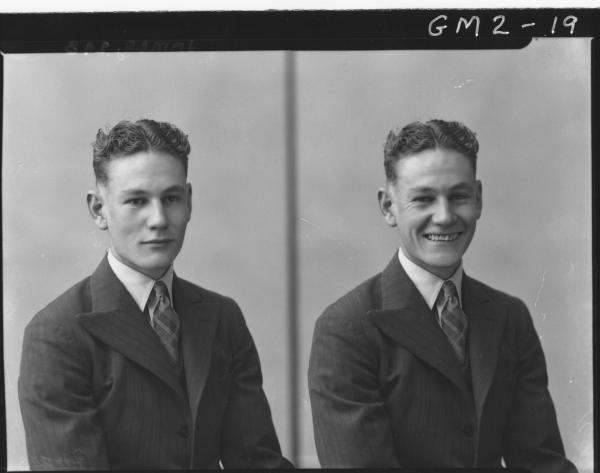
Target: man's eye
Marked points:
135	202
422	198
461	196
172	198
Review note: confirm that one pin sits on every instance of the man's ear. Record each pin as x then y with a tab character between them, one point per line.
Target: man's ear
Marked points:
188	189
479	198
385	205
95	204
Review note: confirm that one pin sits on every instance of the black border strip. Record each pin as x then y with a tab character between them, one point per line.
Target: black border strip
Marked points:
297	30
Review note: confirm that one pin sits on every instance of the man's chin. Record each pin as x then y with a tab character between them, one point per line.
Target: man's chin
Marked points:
156	267
443	267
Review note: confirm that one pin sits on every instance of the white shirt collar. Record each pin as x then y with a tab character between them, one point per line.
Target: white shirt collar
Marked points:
137	284
427	283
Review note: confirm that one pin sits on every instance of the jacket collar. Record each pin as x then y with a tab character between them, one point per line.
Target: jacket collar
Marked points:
405	317
487	317
198	324
117	321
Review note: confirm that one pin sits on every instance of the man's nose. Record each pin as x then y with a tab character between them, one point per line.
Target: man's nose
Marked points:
157	217
443	213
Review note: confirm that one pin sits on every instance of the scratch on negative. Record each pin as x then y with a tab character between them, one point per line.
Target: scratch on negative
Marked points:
462	84
20	165
584	422
539	291
303	220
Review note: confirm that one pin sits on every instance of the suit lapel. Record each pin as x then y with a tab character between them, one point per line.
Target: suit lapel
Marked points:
199	322
486	323
406	319
117	321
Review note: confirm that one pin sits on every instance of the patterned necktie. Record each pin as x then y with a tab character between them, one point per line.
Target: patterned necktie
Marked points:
453	320
164	320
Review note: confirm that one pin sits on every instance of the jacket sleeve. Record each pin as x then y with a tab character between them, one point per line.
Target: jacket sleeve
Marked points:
56	398
532	439
248	437
351	426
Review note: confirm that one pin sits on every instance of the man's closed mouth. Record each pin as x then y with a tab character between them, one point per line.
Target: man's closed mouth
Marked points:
160	241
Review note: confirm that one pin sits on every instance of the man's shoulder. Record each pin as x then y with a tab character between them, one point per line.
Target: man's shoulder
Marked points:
356	303
229	310
491	293
203	294
63	309
518	315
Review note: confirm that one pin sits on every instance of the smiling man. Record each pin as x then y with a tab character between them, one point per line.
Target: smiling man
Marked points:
133	367
421	365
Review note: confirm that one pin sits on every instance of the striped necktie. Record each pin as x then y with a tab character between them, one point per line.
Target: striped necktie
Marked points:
164	320
453	320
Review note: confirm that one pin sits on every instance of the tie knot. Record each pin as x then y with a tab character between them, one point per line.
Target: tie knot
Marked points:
448	291
160	291
160	287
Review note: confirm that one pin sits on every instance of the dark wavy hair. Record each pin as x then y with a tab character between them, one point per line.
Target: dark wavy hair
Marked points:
127	138
417	136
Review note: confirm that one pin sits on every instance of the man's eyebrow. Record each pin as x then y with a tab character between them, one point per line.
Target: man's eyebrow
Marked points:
462	185
133	192
428	189
419	189
175	188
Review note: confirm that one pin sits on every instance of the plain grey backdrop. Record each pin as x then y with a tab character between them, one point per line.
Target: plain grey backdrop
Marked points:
530	109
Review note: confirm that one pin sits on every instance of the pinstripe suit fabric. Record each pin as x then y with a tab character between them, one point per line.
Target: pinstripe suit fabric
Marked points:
97	390
387	390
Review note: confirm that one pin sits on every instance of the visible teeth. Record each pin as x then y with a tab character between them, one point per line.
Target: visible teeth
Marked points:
440	237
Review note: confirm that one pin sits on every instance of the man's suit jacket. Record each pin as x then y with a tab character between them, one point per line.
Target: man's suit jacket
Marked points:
386	389
97	390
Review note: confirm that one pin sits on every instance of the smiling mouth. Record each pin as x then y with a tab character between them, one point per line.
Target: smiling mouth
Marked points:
442	236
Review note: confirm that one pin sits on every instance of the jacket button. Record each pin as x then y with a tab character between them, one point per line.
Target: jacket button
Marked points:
184	432
468	430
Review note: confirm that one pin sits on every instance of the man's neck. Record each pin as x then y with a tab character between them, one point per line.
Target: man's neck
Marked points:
426	282
138	284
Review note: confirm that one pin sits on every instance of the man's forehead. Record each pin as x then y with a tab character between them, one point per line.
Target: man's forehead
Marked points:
138	188
422	188
142	162
434	180
144	157
133	190
434	162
